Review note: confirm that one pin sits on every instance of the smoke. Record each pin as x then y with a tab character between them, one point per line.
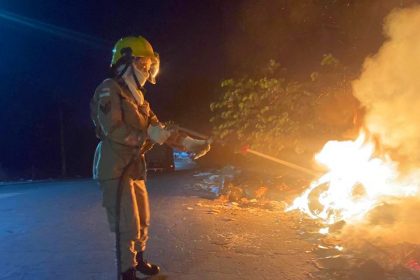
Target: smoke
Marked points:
389	89
391	223
389	86
389	234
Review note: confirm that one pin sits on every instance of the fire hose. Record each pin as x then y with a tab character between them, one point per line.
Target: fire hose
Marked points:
117	220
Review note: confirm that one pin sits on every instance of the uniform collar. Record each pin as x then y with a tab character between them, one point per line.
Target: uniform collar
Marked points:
126	93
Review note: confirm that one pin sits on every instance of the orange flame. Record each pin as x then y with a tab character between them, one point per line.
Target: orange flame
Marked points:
356	182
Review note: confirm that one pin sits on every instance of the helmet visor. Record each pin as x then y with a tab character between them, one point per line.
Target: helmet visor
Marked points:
154	69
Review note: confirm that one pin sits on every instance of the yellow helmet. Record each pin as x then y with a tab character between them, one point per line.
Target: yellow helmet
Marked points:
128	47
132	46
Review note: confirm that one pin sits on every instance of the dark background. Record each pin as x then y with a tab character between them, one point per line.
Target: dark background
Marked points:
54	54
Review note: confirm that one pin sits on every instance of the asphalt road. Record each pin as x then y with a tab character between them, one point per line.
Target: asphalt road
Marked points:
58	230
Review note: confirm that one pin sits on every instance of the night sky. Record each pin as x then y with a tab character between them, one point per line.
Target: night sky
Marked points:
54	54
45	72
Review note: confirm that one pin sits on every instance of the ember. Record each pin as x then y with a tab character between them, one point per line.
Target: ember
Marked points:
413	265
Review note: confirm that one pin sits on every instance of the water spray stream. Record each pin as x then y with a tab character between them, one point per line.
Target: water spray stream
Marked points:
282	162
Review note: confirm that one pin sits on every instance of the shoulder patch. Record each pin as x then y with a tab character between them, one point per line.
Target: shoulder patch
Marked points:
105	108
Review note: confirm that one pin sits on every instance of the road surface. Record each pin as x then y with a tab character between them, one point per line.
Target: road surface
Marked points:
58	230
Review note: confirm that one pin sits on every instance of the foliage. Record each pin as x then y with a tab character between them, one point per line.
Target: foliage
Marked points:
273	113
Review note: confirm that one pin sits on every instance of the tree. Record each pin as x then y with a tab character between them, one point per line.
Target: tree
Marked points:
274	114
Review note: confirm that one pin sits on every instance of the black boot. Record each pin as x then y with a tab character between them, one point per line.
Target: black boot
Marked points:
130	275
144	267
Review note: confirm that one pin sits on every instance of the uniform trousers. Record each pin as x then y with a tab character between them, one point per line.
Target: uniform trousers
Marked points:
134	215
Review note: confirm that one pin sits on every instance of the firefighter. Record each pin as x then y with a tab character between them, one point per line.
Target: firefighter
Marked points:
127	129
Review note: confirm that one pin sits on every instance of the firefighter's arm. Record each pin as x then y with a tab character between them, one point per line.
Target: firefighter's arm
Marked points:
178	139
156	131
175	137
110	118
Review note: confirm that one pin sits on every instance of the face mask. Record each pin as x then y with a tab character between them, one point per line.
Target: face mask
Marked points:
128	78
141	76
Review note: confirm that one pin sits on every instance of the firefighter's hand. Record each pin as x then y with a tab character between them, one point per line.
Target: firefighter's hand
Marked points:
196	146
158	133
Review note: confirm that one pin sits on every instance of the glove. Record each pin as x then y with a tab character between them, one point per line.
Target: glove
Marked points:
158	133
198	147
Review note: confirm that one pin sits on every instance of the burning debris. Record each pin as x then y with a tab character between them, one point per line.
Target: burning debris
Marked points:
231	186
356	182
368	200
366	210
361	214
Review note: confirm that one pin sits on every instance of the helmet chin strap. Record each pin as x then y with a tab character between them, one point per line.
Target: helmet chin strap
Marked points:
136	80
122	69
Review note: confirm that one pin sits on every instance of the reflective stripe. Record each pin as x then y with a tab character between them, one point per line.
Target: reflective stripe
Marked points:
104	94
